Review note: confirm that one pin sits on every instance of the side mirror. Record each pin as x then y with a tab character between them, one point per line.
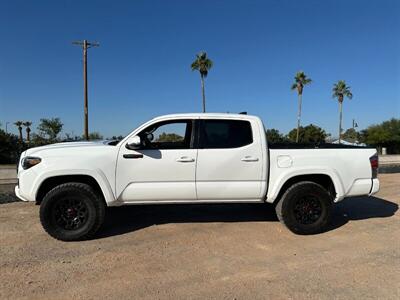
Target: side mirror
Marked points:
134	143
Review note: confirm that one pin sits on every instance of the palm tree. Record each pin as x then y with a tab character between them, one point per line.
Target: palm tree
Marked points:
28	124
341	90
203	64
300	81
19	125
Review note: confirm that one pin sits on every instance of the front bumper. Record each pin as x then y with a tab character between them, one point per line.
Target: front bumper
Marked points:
18	194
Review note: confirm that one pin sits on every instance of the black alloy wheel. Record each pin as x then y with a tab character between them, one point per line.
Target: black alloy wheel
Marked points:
72	211
70	214
307	210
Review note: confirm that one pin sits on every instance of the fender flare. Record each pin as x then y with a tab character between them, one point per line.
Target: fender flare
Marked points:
97	175
275	189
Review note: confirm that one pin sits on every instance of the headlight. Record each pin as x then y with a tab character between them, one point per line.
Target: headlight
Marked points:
29	162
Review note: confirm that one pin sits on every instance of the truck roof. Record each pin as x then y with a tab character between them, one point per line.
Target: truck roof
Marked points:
209	115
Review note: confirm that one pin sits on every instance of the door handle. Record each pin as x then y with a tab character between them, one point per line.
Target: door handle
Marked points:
185	159
249	159
133	155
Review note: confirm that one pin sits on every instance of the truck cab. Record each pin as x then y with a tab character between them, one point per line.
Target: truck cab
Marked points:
181	158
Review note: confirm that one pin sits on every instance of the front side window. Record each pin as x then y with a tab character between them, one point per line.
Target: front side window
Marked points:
167	135
225	134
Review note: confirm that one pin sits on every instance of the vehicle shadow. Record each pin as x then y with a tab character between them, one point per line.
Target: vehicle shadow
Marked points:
361	208
121	220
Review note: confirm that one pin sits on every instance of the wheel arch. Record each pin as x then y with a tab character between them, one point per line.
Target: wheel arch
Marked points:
50	182
330	182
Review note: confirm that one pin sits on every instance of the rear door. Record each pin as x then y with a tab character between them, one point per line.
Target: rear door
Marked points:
229	160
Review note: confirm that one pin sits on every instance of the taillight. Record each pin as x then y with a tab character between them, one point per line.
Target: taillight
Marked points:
373	160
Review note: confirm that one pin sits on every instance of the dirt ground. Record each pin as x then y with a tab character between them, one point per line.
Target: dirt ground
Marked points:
207	252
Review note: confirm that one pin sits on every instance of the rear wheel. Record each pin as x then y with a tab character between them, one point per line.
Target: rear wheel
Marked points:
72	211
305	208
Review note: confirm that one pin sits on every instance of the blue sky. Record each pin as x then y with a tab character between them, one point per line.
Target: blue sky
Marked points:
142	68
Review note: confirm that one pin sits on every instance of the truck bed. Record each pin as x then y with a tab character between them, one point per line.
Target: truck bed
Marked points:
289	145
348	166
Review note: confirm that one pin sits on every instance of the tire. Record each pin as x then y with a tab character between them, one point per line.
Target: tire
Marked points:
72	211
305	208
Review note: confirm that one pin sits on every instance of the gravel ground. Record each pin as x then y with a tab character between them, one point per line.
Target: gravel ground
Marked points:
7	194
207	252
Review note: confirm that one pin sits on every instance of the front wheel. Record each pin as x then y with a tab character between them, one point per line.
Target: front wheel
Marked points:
305	208
72	211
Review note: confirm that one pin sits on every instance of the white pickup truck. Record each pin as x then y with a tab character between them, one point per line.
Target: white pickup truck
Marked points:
191	158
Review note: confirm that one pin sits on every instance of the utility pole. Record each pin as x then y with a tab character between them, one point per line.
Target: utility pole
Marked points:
7	126
85	45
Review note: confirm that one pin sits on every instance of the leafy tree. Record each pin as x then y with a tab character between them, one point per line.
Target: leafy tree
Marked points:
68	137
50	128
19	126
308	134
117	138
274	136
300	81
363	136
386	134
27	125
169	137
95	136
71	137
203	64
39	140
10	148
351	135
341	90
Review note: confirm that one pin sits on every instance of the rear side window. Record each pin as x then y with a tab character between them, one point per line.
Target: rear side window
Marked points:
225	134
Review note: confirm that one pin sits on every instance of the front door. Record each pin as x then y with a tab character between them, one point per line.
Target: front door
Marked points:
163	169
229	161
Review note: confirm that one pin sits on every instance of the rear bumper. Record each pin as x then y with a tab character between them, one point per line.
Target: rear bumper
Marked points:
362	187
374	187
